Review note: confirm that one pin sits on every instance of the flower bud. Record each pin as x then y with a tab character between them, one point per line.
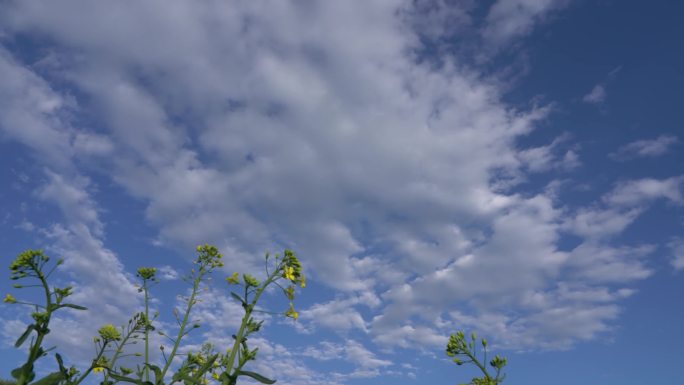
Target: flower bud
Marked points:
9	299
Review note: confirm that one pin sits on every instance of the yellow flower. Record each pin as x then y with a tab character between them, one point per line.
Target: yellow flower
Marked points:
215	376
302	282
9	299
98	369
288	273
292	313
233	279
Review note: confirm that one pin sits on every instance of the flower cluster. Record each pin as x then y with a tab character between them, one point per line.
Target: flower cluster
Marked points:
464	351
29	263
199	368
109	333
208	257
292	269
146	273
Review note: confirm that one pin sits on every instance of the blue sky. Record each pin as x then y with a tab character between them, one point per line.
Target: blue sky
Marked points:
512	167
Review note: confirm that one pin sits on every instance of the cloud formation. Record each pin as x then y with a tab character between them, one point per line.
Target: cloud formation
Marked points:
316	126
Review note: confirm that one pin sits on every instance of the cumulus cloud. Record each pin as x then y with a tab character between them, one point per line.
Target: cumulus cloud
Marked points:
338	315
645	148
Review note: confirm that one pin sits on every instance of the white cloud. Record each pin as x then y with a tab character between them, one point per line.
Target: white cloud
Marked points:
352	351
677	249
32	113
597	95
543	158
601	223
26	226
509	19
38	117
645	148
641	191
335	315
168	273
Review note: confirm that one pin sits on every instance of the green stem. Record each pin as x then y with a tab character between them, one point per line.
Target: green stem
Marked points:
245	319
147	332
118	351
90	369
34	350
478	364
181	331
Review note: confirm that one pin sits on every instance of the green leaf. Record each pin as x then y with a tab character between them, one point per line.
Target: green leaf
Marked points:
60	362
119	377
51	379
187	379
157	373
71	305
16	373
25	371
237	297
24	336
256	376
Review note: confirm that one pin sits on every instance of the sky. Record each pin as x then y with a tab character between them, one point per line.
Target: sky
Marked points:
510	167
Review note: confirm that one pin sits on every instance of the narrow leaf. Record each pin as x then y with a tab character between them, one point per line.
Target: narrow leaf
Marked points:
256	376
187	379
24	336
60	362
71	305
157	373
119	377
51	379
237	297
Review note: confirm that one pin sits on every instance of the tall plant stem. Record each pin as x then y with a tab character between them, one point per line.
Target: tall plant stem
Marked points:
245	320
480	366
147	332
34	350
181	331
90	369
118	352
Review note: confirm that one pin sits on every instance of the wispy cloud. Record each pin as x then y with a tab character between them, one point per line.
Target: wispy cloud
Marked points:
597	95
510	19
645	148
677	249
